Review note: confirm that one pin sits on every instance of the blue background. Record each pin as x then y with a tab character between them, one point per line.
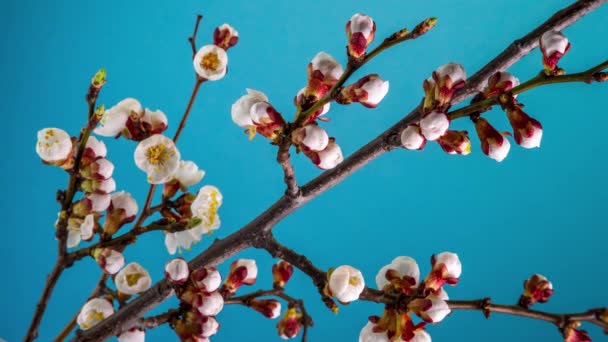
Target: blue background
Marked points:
540	210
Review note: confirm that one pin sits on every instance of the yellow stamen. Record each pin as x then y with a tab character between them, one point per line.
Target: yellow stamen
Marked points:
210	61
354	281
158	154
132	279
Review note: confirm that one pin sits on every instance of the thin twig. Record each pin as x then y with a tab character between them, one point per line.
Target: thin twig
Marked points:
220	250
192	39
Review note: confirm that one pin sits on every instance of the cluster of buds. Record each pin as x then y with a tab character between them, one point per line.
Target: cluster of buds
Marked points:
211	61
426	299
537	288
434	124
129	119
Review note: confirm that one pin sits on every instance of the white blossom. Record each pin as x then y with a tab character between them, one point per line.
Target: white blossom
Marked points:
207	278
210	62
54	144
361	23
132	279
553	41
156	120
412	138
205	207
376	89
421	336
93	312
454	71
132	335
330	157
79	229
212	304
434	125
98	202
97	147
124	201
367	334
114	120
404	266
252	269
110	260
241	109
188	173
346	283
209	326
327	65
177	270
158	157
451	262
315	138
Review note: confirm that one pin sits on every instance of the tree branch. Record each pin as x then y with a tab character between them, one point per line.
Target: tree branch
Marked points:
220	250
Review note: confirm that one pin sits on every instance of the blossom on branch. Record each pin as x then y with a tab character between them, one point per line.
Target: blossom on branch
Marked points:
241	110
91	203
132	335
207	279
211	62
528	132
448	78
345	283
434	125
432	309
446	270
499	83
177	271
281	273
412	138
553	45
114	120
368	91
94	149
402	274
132	279
360	30
211	304
455	142
242	271
93	312
225	36
54	146
537	288
158	157
289	325
100	169
267	120
187	174
270	308
493	143
310	137
122	210
80	229
328	158
105	186
109	259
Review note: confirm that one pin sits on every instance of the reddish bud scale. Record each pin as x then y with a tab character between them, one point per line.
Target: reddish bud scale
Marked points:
499	83
445	88
138	130
550	61
235	279
290	323
525	128
270	308
224	37
170	188
455	142
272	126
487	135
404	284
571	334
537	288
281	273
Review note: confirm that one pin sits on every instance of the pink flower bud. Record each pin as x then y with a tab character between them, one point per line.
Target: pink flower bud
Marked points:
110	260
242	271
572	334
455	142
196	327
360	30
207	279
304	101
100	169
368	91
177	271
105	186
412	138
311	137
493	143
268	122
281	273
499	83
446	269
268	307
329	158
553	45
211	304
448	78
94	149
289	325
537	288
434	125
121	211
92	203
132	335
225	36
528	131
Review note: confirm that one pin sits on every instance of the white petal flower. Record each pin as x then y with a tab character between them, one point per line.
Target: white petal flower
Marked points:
454	70
106	186
327	65
110	260
114	120
132	279
315	138
412	138
497	151
124	201
434	125
451	262
376	89
346	283
188	173
250	265
361	23
93	312
404	266
97	147
438	310
241	109
100	169
156	121
330	157
205	207
421	336
207	279
79	229
210	62
209	326
368	335
54	144
177	270
99	202
132	335
158	157
533	140
553	41
212	304
184	239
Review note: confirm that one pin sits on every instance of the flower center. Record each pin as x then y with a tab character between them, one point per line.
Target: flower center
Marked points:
354	281
210	61
132	279
158	154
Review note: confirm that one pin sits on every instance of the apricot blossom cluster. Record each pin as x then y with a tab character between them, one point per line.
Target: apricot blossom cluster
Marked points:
448	79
